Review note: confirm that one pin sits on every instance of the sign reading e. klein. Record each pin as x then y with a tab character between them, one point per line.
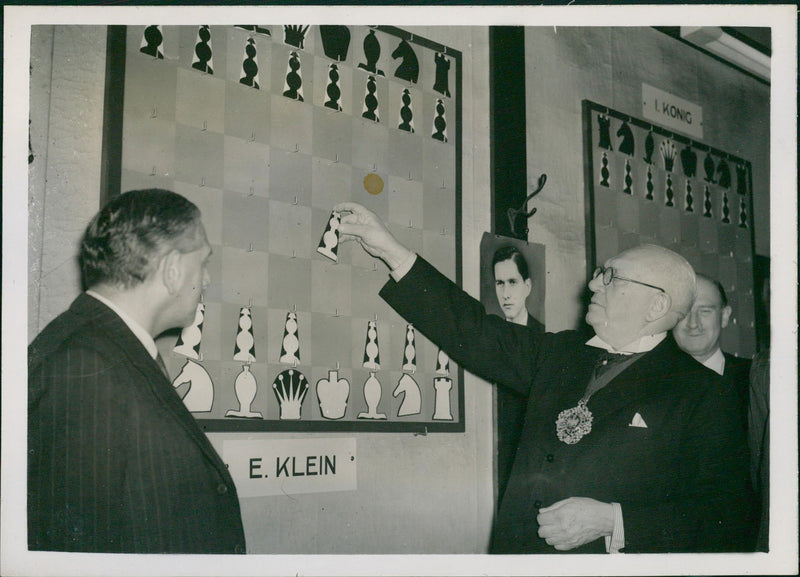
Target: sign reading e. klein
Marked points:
672	112
291	466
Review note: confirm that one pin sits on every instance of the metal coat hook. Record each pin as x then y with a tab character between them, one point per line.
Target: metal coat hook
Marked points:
514	213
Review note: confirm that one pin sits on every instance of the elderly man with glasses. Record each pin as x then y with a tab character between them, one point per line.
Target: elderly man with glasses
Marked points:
628	443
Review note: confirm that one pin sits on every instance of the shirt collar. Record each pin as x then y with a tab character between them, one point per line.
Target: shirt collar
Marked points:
135	327
716	362
641	345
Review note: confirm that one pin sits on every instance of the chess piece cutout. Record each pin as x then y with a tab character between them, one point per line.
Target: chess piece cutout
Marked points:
667	150
244	349
723	174
649	185
741	179
372	358
335	41
409	66
442	363
689	161
372	52
669	194
152	38
332	394
295	35
689	198
406	121
200	396
628	178
649	148
290	346
709	168
412	397
604	126
604	172
441	83
372	395
370	109
245	387
627	145
726	211
254	28
329	243
249	75
188	343
410	350
442	410
203	58
332	89
293	84
742	213
439	122
707	205
290	389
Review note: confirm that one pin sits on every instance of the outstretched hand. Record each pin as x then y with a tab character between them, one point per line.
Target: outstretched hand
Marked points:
362	225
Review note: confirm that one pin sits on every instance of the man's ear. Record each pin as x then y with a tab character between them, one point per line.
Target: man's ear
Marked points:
661	305
726	316
529	285
171	271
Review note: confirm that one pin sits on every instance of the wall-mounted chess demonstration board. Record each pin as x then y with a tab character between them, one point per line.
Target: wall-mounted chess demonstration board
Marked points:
648	184
266	128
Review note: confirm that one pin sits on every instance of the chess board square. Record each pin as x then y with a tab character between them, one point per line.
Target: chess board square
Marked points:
237	40
358	330
364	299
406	202
377	203
370	148
276	324
247	167
218	41
244	276
229	329
709	265
689	235
608	243
291	124
669	231
134	180
410	237
330	348
728	272
200	100
331	183
438	250
626	212
290	229
394	119
333	135
330	288
149	147
326	91
649	214
290	176
209	201
605	206
289	282
247	113
439	209
692	254
707	235
198	156
744	250
169	43
245	221
150	87
438	161
406	158
430	113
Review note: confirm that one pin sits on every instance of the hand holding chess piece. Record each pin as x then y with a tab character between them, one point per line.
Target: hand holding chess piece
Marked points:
362	225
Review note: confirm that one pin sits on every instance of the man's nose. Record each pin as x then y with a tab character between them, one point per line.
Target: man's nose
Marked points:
596	283
692	320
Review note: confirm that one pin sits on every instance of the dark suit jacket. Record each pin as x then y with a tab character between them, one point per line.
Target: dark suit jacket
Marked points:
679	480
737	373
116	463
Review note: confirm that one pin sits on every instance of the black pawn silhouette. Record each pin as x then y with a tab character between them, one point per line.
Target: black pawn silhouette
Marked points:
406	114
741	179
708	167
628	179
439	122
725	210
442	84
332	90
249	65
371	101
649	148
649	186
409	67
724	174
689	197
153	39
203	50
372	51
669	195
689	161
604	171
335	41
742	214
293	79
604	124
707	202
627	145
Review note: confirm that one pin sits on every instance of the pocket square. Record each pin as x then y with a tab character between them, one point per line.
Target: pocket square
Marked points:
638	421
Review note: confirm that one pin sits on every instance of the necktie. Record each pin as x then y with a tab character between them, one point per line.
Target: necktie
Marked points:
162	366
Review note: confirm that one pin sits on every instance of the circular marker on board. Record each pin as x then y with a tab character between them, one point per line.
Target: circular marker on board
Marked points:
373	183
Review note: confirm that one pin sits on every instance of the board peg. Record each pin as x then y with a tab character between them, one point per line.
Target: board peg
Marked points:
202	181
336	313
409	175
376	317
205	126
153	172
252	136
410	223
374	267
252	192
201	297
374	167
294	202
337	365
296	147
154	112
443	186
250	302
336	159
250	248
294	253
444	232
294	308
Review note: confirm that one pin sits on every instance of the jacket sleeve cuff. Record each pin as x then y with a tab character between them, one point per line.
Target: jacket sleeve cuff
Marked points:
403	268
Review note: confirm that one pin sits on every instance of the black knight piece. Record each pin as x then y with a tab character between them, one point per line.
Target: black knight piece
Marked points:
627	145
409	66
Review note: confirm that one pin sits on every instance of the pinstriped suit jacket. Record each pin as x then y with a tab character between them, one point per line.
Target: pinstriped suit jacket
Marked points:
116	463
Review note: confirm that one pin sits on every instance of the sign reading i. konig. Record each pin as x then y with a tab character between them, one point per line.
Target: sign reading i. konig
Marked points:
672	112
291	466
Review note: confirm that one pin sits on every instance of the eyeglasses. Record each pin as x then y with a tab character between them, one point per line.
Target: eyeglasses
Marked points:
610	274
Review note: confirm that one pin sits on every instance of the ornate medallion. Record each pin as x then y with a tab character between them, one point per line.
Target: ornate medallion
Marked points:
572	424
